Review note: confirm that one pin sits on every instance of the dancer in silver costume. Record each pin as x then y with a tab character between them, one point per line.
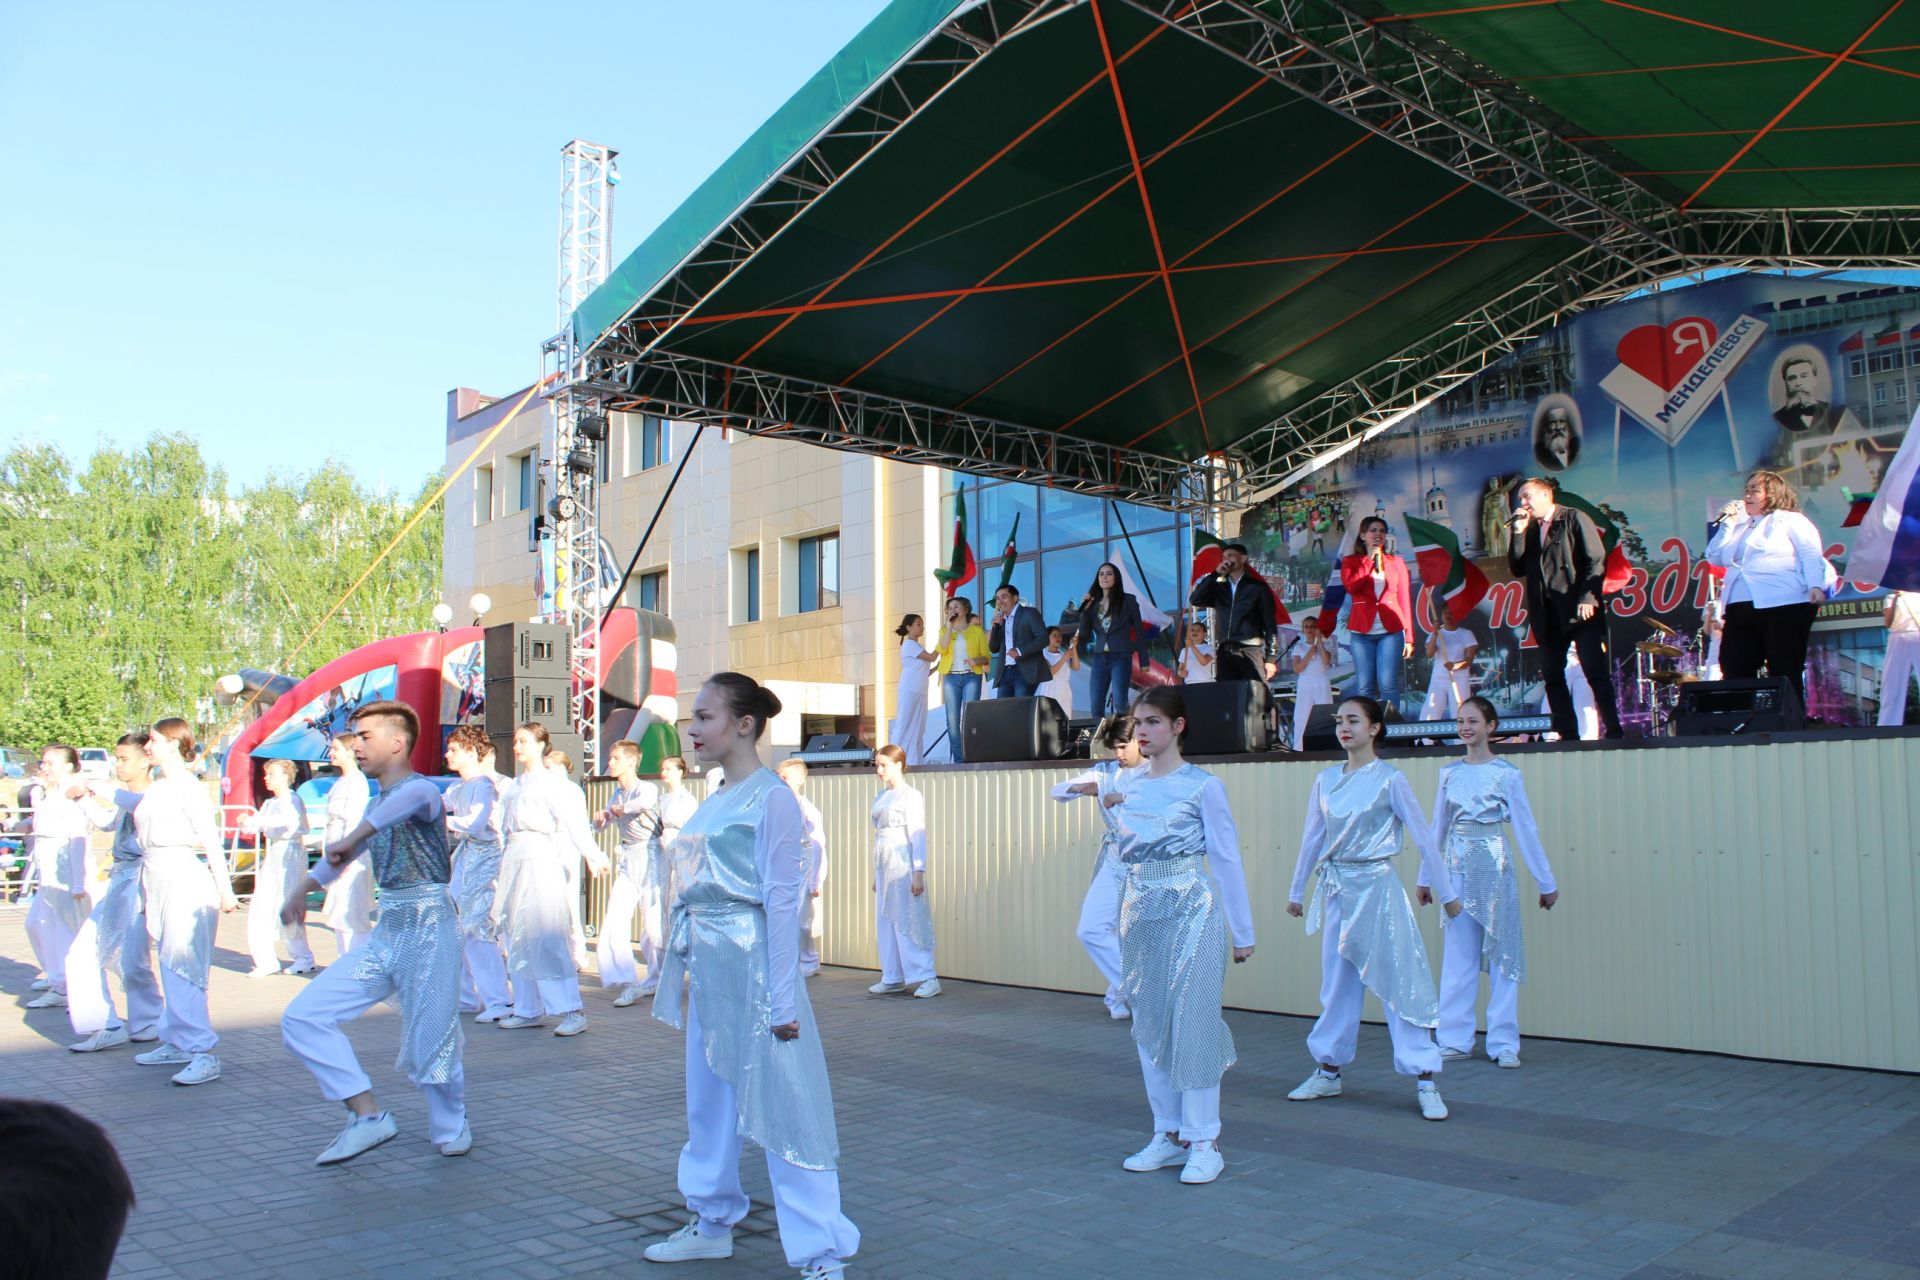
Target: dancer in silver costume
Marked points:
755	1068
58	847
114	938
473	818
634	810
793	772
903	916
1478	797
412	957
1185	895
280	860
1099	928
544	818
1357	817
176	824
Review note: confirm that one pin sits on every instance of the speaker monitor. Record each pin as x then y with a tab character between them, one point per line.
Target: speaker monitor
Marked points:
1766	705
572	743
831	742
1319	734
1012	729
1226	717
512	703
524	650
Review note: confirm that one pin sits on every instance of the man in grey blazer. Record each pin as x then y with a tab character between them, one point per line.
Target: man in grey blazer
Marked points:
1018	634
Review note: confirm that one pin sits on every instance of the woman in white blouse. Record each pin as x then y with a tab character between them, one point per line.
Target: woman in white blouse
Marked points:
1776	580
1062	661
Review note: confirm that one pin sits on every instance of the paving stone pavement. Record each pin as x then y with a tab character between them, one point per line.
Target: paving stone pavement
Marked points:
981	1136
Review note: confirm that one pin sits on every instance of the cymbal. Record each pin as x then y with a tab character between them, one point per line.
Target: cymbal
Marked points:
1661	628
1659	650
1672	677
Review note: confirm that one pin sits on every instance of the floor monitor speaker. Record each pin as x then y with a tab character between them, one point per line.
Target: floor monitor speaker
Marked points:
996	729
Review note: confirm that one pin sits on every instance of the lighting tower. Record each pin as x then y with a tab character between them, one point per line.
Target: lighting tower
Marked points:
580	429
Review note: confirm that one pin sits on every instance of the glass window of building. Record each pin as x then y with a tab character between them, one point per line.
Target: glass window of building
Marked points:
746	585
483	493
1070	517
818	566
651	591
526	479
646	445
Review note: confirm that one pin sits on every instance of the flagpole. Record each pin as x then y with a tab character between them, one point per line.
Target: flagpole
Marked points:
1733	435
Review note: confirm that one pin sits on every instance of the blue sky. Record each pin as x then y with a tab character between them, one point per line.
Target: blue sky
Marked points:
289	230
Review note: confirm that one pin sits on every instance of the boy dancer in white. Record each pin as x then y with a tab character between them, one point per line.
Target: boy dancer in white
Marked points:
754	1063
115	934
1314	687
349	907
794	774
903	917
412	957
1452	649
634	809
59	851
473	818
1357	816
1902	618
1099	928
279	863
1478	796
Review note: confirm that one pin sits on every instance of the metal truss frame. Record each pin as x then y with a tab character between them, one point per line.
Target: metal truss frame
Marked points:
1884	237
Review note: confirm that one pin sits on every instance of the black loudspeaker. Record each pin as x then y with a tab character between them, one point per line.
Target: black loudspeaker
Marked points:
1012	729
1319	734
572	743
1766	705
512	703
525	650
1226	718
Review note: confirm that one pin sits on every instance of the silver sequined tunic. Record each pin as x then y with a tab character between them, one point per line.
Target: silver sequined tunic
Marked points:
477	856
898	812
1378	934
1173	933
1473	800
718	940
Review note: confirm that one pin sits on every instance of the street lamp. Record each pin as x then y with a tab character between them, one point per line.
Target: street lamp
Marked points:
442	615
480	603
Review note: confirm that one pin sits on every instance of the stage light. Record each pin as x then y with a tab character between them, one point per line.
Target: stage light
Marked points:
593	427
613	173
442	615
580	460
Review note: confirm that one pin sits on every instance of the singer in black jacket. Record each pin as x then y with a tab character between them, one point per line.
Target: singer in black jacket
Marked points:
1109	638
1244	625
1564	569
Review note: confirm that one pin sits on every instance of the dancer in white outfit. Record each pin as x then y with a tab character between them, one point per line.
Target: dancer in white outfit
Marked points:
561	764
1099	927
1452	649
793	772
349	907
114	938
176	824
473	819
1902	617
1357	817
754	1063
1185	905
1062	662
634	810
1195	661
412	957
544	819
58	848
909	727
1477	798
280	862
903	916
1313	686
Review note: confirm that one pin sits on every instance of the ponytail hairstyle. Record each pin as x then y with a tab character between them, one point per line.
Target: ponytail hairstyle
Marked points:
1376	714
893	753
180	734
1168	702
1485	708
747	698
64	751
906	625
678	762
1117	730
540	734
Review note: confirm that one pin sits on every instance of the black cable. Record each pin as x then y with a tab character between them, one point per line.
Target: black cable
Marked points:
634	563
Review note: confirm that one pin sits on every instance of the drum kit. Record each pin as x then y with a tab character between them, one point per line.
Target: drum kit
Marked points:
1661	664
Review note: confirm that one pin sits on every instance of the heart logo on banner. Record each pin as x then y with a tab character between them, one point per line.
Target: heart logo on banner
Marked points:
1664	356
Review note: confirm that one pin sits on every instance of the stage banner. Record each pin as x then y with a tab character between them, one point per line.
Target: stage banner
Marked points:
1650	413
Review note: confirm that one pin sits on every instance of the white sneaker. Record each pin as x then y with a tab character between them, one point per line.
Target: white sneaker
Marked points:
362	1134
1161	1153
886	988
460	1145
1317	1085
40	984
47	1000
928	989
572	1025
650	986
1510	1060
1119	1012
264	973
688	1245
1204	1163
146	1035
493	1015
204	1068
104	1038
823	1270
628	994
514	1022
302	968
1431	1108
1452	1055
166	1055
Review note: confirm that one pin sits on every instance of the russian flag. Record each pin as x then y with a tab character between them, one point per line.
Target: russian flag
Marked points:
1887	548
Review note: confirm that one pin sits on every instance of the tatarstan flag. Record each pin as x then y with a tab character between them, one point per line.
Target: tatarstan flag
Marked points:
1449	574
1011	554
1618	570
960	565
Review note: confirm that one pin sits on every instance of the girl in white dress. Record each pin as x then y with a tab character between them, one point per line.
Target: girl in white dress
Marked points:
903	915
1062	662
916	669
280	861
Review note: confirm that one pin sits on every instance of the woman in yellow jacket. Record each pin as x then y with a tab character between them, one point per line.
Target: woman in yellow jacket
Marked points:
963	661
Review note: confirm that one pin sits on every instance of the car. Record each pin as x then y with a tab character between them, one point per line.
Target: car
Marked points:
96	762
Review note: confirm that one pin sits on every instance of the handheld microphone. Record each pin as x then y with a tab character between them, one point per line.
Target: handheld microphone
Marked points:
1519	514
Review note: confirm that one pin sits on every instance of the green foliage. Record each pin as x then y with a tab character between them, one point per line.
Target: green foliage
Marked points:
138	579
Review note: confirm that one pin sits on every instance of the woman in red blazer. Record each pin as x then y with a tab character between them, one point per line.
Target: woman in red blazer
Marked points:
1380	625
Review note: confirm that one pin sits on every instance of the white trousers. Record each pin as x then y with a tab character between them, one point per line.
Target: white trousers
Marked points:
1336	1033
1099	928
483	978
1194	1114
615	946
1460	942
349	906
537	998
1903	664
90	1000
1302	712
310	1029
573	864
184	1021
900	959
809	936
1446	691
265	934
806	1202
53	919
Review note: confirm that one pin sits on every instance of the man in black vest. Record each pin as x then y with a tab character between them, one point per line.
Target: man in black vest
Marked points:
1244	627
1557	552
